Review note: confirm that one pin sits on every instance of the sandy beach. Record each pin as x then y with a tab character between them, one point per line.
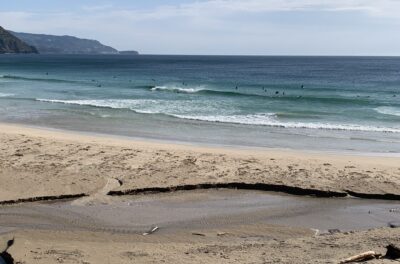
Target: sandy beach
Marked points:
44	164
55	163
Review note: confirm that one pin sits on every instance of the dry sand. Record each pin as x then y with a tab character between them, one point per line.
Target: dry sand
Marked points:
38	162
262	245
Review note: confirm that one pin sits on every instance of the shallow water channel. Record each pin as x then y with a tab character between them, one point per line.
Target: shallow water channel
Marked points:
201	209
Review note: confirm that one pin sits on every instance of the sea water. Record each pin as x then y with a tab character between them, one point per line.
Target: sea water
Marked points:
315	103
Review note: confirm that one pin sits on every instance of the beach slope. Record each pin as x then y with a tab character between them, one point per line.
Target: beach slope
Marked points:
39	163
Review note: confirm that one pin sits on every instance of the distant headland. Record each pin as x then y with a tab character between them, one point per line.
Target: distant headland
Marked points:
16	42
129	52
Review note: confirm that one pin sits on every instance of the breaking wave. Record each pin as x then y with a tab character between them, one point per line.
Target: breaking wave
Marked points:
387	110
6	94
271	94
148	106
266	120
176	89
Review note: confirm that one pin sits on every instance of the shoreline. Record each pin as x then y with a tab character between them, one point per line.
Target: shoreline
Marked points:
59	132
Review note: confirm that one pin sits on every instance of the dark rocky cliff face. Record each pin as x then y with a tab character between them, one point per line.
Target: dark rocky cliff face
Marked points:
11	44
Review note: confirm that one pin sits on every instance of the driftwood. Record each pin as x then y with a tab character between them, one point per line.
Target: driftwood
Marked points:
393	252
198	234
151	231
394	224
362	257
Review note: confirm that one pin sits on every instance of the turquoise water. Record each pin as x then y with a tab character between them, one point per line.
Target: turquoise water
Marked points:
328	103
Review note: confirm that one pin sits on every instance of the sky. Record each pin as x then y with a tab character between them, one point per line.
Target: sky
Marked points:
218	27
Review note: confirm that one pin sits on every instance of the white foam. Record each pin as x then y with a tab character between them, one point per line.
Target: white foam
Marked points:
268	120
387	110
259	119
184	110
6	94
146	106
176	89
109	103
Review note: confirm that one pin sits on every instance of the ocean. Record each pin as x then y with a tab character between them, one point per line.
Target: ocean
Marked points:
349	104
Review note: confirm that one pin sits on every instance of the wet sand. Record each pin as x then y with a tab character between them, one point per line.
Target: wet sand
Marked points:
214	226
202	210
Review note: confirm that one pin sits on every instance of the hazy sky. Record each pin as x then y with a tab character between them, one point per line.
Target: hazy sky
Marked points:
267	27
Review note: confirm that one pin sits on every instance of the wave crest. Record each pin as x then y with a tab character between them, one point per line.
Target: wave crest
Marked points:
145	106
262	95
6	94
267	120
387	110
176	89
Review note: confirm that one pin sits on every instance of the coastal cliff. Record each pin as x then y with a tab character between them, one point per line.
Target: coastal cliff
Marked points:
51	44
11	44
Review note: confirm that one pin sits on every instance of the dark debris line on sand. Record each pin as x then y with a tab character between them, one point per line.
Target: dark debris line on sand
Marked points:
44	198
233	185
259	187
230	185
